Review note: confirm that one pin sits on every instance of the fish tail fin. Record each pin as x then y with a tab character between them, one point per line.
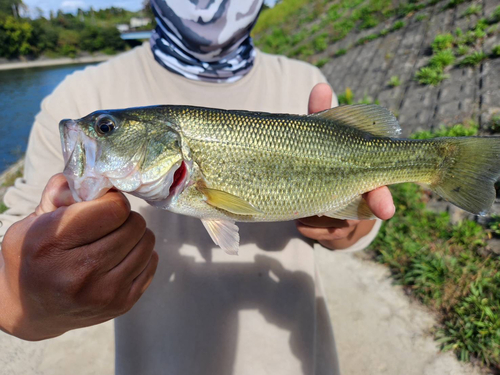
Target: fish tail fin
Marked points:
473	168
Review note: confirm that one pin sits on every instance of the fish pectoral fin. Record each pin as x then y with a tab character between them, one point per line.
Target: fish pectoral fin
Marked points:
224	233
356	210
370	118
228	202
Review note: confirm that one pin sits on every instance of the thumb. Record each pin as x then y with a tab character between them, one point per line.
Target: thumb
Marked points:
320	98
56	194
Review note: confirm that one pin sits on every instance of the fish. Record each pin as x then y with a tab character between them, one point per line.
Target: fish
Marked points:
228	166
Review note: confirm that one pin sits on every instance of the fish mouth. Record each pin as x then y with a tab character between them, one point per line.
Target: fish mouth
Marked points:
80	155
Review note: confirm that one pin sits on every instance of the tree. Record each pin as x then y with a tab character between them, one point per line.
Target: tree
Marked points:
14	37
12	7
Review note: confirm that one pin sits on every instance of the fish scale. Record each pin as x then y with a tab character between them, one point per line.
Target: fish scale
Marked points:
285	164
227	166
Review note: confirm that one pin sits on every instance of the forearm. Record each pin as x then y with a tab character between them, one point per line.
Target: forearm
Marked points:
362	229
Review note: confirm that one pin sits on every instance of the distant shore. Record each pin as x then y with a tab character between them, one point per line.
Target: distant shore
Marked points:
54	62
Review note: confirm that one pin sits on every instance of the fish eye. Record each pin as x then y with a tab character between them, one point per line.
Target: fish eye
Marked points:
104	124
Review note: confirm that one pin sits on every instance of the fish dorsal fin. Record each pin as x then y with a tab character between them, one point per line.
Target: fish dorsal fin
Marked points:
228	202
370	118
224	233
356	210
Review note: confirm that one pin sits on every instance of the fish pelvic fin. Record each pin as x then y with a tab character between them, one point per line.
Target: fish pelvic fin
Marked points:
224	233
356	210
370	118
228	202
473	167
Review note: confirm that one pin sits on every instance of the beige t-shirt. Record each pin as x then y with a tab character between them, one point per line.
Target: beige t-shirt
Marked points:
206	312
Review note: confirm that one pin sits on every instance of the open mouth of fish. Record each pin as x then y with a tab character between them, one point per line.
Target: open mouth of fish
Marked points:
88	179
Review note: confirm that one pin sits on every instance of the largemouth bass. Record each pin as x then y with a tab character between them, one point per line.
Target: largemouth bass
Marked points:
227	166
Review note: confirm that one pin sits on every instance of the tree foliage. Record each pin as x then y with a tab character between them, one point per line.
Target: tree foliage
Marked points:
63	34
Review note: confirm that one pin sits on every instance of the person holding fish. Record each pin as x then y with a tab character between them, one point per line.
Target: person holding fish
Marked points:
68	263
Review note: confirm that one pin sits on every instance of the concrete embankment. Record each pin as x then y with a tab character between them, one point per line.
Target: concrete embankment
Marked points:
54	62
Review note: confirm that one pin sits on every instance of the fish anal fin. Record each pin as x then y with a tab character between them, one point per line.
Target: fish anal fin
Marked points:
228	202
370	118
356	210
224	233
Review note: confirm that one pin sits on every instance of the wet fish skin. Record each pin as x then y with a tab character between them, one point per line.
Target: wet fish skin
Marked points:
251	166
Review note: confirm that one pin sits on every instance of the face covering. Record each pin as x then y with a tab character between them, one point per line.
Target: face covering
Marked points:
206	40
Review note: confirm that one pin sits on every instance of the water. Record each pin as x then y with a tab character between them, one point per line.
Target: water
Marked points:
21	93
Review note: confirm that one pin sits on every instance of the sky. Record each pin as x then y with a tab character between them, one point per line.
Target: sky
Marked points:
73	5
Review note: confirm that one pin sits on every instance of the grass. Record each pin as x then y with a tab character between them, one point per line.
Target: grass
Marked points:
421	17
394	81
496	14
445	267
495	52
474	59
453	4
340	52
442	42
430	76
462	50
10	179
472	10
320	43
442	59
495	123
348	98
321	62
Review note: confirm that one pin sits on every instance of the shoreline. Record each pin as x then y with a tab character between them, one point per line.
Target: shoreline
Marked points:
54	62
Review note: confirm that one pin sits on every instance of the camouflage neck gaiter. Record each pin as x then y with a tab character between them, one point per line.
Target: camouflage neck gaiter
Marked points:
206	40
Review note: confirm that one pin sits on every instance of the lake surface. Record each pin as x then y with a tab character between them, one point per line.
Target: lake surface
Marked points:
21	93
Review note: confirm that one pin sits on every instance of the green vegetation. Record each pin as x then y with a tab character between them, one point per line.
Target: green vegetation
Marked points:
61	34
3	207
321	42
496	14
469	129
454	3
394	81
442	42
340	52
299	37
347	98
473	10
430	76
495	123
474	59
462	50
446	47
442	59
421	17
10	179
495	52
321	62
446	267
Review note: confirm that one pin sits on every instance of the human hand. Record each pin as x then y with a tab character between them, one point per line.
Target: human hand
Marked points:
335	233
70	265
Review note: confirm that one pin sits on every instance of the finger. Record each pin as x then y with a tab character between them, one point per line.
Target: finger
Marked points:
82	223
381	203
320	98
143	281
327	222
112	249
136	260
321	234
56	194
